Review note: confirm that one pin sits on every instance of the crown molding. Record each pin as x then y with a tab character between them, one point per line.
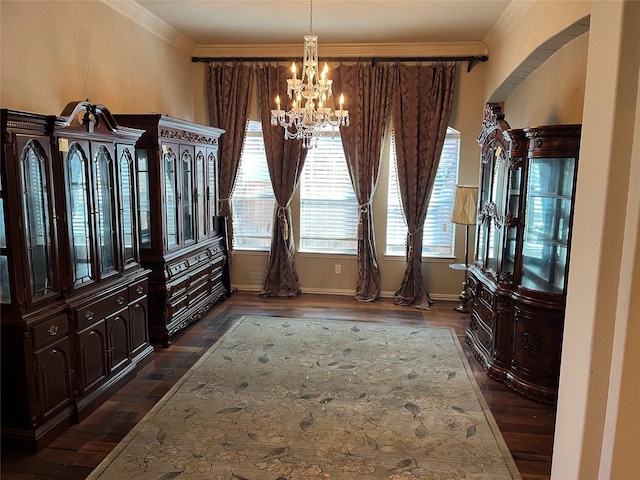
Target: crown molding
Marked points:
506	22
150	22
346	50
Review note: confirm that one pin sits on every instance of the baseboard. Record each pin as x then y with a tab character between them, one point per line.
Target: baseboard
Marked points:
449	297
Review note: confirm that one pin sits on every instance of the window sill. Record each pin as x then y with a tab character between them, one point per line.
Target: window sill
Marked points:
401	258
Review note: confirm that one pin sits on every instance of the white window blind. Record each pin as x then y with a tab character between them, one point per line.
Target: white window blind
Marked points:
438	234
253	200
328	206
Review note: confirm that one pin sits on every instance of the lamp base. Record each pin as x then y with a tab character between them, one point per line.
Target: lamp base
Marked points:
464	300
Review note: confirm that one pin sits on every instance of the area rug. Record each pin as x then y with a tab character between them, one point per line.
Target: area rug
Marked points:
301	399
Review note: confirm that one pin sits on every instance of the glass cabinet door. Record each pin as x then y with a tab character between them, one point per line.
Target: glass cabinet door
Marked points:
144	199
511	222
212	190
5	290
77	175
485	218
201	190
37	220
494	234
547	223
104	205
171	198
127	208
188	217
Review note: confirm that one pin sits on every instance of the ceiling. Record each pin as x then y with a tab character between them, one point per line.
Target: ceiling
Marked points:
255	22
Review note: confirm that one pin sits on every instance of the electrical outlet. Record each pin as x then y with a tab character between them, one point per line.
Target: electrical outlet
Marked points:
337	269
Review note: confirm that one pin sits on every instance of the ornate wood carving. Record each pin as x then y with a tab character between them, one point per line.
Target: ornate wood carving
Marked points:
531	343
189	136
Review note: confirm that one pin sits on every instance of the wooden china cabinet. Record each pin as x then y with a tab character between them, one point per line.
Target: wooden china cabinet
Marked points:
519	276
183	239
72	290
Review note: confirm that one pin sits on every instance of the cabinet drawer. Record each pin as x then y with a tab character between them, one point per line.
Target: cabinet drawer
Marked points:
176	269
486	297
473	283
93	312
138	290
177	305
196	292
50	331
198	258
219	261
216	275
178	286
485	338
199	274
484	314
216	249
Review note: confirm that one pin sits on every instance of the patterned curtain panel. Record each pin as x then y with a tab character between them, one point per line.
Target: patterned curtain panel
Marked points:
229	89
285	159
368	90
423	97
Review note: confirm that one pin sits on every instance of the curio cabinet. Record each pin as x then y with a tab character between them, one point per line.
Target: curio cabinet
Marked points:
519	276
73	291
183	239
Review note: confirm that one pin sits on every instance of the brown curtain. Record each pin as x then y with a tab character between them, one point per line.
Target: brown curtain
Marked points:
421	111
285	159
229	88
368	91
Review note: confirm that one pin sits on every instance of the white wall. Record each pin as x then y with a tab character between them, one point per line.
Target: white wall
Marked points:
554	92
597	421
56	52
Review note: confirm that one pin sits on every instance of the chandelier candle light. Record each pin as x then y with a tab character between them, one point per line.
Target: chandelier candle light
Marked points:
309	117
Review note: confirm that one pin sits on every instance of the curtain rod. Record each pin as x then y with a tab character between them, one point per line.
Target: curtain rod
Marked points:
471	60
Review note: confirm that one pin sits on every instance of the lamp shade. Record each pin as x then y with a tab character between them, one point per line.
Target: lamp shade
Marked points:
465	206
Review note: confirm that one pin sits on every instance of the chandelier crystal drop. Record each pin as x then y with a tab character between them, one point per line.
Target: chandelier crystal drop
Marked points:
309	117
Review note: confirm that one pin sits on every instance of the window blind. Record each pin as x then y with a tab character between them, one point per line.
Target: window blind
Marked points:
252	199
328	205
438	233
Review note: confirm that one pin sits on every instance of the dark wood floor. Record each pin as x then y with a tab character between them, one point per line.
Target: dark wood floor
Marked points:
526	426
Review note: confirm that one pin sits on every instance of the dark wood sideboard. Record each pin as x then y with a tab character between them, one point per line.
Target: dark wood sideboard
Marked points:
183	238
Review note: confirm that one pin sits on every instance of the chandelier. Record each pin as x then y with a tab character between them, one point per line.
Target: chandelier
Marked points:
309	117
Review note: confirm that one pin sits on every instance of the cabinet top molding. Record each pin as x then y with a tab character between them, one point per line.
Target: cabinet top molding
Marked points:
95	119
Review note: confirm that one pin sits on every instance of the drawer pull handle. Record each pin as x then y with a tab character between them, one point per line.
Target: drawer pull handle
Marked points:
120	300
139	290
88	315
53	330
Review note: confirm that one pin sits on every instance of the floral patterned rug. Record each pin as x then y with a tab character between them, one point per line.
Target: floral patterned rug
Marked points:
301	399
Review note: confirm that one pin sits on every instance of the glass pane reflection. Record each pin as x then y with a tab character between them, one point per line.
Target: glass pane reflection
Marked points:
79	215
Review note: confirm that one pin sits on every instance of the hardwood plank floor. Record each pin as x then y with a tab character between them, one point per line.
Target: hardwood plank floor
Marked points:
526	426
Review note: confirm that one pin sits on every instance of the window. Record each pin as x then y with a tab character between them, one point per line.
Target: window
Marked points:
328	205
252	199
437	240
